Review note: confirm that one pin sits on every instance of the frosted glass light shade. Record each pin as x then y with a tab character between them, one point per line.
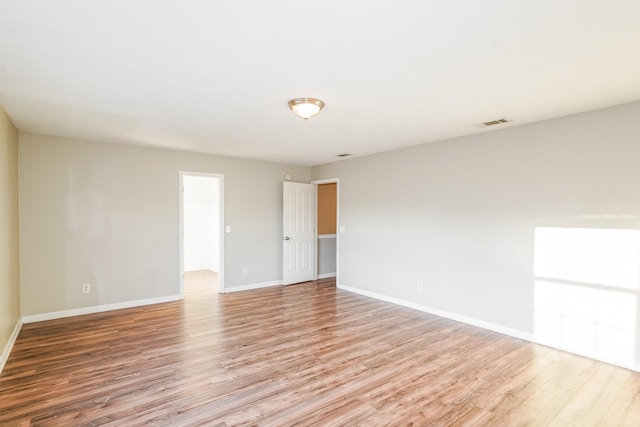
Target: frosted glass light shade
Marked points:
306	107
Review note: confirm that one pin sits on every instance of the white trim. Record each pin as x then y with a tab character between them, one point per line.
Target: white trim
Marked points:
181	229
316	244
441	313
7	348
526	336
327	236
221	225
252	286
221	234
325	181
326	275
98	308
337	180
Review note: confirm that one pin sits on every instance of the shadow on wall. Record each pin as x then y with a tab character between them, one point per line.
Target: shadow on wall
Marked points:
586	289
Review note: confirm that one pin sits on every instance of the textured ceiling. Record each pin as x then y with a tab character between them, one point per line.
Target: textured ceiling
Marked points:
215	76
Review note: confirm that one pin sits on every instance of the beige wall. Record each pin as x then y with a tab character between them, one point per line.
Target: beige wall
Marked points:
463	216
9	264
107	214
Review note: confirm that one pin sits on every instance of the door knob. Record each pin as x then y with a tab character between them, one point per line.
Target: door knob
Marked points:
286	238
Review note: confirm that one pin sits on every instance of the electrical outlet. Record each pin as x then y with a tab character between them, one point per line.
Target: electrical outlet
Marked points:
245	271
420	285
86	288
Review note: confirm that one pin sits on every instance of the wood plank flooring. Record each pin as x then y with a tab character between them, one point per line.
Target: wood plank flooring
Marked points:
306	354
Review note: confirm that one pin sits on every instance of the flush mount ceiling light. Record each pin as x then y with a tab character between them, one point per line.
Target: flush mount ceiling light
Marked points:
306	107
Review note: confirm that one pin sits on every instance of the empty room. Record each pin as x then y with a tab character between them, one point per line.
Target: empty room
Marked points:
371	213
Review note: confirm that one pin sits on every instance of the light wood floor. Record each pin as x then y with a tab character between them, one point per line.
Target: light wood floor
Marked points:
300	355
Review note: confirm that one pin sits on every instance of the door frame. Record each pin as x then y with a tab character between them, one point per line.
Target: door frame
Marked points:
337	182
220	177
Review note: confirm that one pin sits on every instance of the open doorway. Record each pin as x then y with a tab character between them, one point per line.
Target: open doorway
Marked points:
327	228
201	236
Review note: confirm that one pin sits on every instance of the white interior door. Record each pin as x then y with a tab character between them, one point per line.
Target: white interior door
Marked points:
298	228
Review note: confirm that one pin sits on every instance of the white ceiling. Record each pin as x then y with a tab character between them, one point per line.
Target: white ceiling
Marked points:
215	76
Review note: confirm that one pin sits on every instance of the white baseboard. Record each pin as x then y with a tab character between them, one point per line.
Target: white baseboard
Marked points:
97	309
7	348
481	324
326	275
252	286
442	313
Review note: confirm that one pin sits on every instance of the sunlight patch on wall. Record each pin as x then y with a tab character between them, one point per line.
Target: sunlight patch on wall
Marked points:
586	292
589	255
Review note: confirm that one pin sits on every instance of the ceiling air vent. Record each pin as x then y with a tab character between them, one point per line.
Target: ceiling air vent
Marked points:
496	122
